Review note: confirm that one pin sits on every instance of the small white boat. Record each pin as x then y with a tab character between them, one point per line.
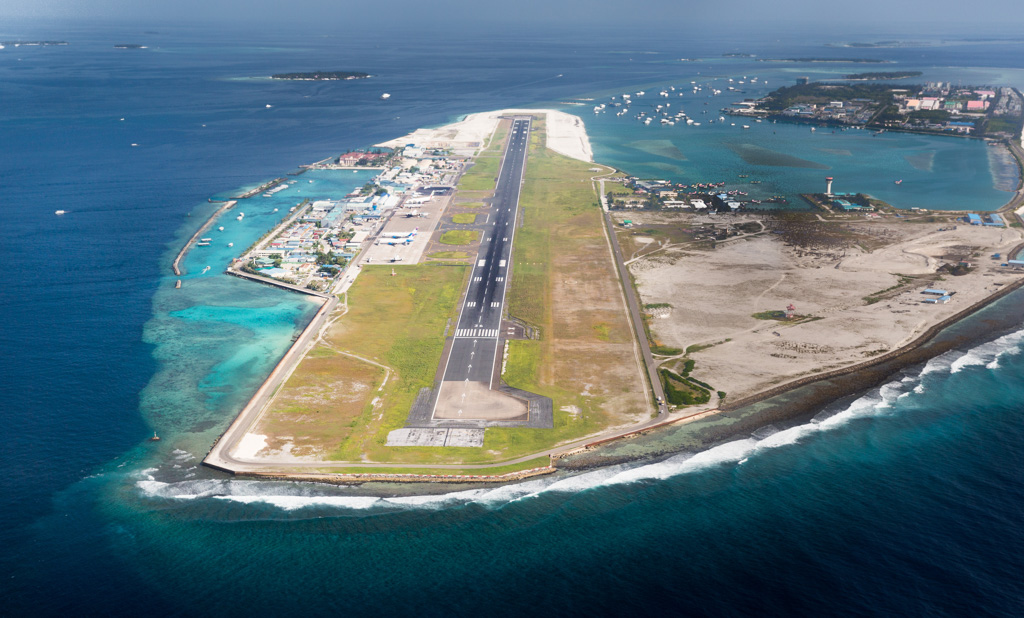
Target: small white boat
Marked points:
240	216
275	210
221	228
269	106
385	96
59	212
231	244
134	145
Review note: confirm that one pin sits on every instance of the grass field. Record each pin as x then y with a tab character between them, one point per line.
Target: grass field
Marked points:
334	403
464	218
482	175
449	255
460	237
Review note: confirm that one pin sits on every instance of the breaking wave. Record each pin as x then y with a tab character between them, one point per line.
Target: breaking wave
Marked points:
290	496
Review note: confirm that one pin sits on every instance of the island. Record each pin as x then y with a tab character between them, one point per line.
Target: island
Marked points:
31	43
317	76
494	305
839	60
877	75
936	107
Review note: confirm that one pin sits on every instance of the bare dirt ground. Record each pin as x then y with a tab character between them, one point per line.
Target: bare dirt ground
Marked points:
857	288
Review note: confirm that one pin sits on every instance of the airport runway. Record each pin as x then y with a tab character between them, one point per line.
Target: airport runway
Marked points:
466	386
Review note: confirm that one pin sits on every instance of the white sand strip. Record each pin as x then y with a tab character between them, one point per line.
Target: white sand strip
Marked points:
566	134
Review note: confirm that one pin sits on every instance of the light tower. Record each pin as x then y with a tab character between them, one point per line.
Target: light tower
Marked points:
828	185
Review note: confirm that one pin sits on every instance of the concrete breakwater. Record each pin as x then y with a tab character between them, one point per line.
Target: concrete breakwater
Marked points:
274	282
260	189
175	266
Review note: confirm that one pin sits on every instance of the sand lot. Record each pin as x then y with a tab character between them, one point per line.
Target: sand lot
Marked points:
565	133
715	292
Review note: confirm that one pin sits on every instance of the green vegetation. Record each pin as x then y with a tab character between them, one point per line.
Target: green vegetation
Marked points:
333	404
697	347
1003	125
449	255
460	237
468	205
663	350
482	175
823	94
770	315
464	218
680	391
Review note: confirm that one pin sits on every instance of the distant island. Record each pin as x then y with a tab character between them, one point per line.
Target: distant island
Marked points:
880	44
937	107
853	60
20	43
321	76
129	46
882	75
736	55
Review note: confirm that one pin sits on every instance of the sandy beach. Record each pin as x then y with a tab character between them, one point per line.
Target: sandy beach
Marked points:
566	133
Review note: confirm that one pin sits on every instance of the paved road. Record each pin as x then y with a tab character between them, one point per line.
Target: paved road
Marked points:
475	347
638	323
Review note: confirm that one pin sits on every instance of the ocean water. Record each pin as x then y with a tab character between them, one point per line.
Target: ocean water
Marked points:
906	499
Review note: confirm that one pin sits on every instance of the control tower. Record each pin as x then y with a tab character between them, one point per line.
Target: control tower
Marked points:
828	185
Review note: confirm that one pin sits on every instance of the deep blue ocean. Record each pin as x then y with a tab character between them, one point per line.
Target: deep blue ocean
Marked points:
904	500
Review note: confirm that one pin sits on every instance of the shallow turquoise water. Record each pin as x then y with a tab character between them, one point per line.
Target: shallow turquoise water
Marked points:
938	172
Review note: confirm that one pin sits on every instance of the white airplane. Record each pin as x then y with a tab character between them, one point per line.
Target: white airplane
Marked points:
401	234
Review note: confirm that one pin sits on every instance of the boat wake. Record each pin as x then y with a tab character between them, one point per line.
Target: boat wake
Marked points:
295	496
